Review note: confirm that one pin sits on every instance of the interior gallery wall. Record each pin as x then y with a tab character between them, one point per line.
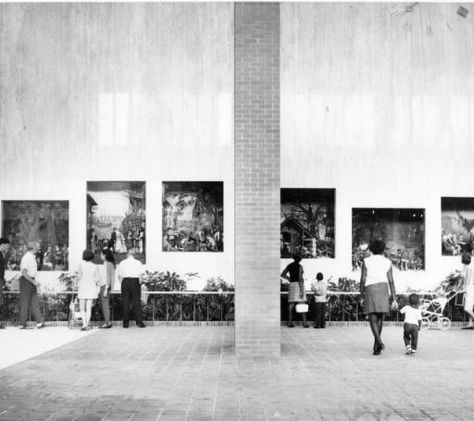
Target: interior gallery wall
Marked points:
377	102
118	92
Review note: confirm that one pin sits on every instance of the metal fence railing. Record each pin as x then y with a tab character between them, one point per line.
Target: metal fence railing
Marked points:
205	306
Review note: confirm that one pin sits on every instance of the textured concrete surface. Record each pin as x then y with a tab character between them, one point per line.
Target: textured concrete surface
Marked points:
192	374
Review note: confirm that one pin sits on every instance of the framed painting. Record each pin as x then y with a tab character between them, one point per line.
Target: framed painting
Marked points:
402	230
42	221
116	218
193	216
307	223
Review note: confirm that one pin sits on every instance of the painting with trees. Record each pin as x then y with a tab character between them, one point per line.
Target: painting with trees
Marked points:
457	225
307	223
116	218
402	230
45	222
193	216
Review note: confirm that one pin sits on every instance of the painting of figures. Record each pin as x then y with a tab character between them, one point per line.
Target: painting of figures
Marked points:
45	222
116	218
457	225
193	216
307	223
402	230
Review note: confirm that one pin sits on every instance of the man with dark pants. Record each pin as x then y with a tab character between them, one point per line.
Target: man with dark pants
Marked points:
29	287
4	246
130	272
320	298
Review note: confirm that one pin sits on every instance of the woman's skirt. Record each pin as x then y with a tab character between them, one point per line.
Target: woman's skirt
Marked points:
376	298
294	294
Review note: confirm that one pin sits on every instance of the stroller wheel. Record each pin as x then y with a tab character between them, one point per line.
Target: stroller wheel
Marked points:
425	323
444	323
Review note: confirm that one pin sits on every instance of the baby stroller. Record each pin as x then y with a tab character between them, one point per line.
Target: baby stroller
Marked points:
432	312
75	315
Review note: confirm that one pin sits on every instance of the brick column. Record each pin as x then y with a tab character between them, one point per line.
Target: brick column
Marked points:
257	178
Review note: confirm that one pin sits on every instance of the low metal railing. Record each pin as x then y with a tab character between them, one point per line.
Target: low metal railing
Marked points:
205	306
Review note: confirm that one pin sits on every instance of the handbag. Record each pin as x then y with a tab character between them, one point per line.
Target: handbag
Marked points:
301	308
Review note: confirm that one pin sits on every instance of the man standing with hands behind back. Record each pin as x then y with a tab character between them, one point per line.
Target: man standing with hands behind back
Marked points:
4	246
29	287
130	272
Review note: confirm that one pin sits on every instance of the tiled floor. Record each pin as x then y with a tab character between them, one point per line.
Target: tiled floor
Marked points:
191	373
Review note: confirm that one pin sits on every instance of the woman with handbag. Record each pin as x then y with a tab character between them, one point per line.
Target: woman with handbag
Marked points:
297	292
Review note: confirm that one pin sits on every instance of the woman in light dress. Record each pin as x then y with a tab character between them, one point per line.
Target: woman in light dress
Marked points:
375	281
88	286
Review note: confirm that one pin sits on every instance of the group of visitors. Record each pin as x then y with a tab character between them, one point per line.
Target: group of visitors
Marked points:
97	281
93	282
376	288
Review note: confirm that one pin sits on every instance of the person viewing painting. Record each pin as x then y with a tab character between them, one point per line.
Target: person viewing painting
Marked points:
297	292
88	279
107	280
29	286
4	246
375	282
468	287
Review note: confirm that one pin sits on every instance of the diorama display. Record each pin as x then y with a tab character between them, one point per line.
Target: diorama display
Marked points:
307	222
43	221
116	217
193	216
402	230
457	225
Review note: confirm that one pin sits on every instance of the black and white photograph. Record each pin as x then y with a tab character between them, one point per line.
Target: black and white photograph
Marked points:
402	231
236	210
457	225
307	222
193	216
116	218
45	222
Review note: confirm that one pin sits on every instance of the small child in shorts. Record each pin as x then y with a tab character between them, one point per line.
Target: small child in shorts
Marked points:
412	324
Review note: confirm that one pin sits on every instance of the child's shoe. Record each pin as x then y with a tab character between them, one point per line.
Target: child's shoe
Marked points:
408	350
413	352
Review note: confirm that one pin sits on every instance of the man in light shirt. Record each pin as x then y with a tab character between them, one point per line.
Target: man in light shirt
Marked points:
29	287
130	272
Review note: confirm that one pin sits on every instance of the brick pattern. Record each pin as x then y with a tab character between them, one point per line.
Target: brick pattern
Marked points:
192	374
257	178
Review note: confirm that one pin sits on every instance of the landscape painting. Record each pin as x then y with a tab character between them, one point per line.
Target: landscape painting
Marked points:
42	221
116	218
457	225
402	230
307	223
193	216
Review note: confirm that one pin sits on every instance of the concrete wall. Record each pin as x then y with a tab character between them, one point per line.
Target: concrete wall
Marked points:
380	106
160	75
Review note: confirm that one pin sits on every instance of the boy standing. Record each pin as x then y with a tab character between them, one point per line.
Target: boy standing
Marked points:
412	324
320	298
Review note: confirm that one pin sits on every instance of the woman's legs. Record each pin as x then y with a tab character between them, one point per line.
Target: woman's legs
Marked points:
376	323
86	310
291	307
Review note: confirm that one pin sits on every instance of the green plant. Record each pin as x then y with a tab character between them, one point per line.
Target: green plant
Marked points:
218	284
164	281
68	280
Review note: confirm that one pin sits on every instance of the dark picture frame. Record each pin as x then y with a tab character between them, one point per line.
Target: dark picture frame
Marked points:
307	222
42	221
193	216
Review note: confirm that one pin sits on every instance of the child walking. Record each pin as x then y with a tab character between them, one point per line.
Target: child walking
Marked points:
412	324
